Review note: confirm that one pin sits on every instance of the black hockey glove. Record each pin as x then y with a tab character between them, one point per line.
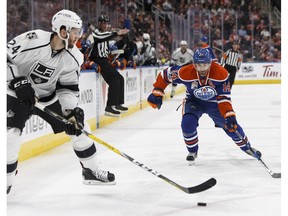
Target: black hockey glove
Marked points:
24	91
76	118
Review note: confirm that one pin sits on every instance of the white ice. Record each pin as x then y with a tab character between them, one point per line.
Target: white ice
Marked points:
51	183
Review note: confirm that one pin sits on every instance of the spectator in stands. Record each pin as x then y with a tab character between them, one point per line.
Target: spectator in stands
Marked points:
261	26
242	32
128	44
166	6
132	6
148	4
265	34
247	11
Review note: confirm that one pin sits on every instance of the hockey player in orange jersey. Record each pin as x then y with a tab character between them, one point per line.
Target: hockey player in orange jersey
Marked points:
207	92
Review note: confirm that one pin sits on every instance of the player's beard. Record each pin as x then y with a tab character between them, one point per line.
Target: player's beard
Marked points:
203	73
70	46
70	43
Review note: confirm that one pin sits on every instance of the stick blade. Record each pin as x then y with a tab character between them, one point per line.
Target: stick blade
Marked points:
202	187
276	175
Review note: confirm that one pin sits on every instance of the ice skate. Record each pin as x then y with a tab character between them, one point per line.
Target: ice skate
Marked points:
98	177
110	111
191	158
8	189
10	186
254	152
120	108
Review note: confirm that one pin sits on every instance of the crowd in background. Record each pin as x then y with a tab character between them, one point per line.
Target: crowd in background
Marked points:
254	25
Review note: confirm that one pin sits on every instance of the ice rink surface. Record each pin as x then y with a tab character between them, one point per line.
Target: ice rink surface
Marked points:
51	183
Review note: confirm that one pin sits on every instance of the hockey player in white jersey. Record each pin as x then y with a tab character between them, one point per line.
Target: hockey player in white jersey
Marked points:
180	57
45	67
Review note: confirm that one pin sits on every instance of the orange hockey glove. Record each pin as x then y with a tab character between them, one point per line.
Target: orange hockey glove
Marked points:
155	98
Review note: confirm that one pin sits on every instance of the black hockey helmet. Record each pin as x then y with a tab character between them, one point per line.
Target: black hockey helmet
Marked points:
104	18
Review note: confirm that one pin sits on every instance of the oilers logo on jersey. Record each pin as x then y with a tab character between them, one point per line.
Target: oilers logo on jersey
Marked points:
205	93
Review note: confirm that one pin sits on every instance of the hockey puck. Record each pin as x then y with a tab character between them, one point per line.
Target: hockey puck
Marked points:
201	204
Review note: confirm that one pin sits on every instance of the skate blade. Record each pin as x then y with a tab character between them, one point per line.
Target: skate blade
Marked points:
94	182
111	114
122	111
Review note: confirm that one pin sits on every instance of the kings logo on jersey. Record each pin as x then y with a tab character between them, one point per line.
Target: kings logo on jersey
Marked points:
205	93
31	35
182	60
41	73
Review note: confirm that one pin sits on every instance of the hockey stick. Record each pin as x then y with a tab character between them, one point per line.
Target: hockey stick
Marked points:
195	189
274	175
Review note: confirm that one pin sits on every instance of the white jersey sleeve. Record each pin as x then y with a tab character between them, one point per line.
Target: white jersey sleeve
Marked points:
14	47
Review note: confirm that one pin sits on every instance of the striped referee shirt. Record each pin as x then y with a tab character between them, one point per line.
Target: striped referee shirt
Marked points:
232	58
101	44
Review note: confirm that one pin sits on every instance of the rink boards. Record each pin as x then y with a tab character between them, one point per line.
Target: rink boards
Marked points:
38	136
259	73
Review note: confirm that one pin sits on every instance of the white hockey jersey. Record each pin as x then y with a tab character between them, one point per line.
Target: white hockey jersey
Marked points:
178	58
52	75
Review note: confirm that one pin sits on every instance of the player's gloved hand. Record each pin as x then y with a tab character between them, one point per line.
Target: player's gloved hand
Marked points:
155	98
23	90
76	118
230	121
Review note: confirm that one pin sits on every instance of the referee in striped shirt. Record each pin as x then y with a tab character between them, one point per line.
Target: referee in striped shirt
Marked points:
99	54
231	61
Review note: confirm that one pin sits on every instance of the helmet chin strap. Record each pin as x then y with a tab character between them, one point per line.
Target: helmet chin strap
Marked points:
65	40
